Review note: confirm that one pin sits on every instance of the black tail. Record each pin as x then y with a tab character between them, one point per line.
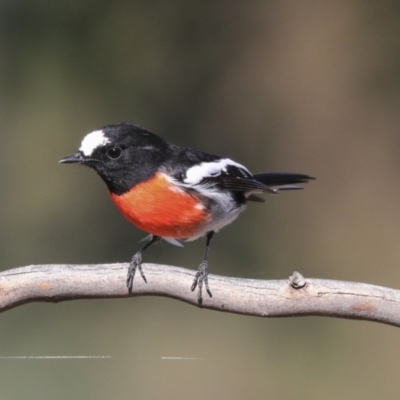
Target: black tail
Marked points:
282	180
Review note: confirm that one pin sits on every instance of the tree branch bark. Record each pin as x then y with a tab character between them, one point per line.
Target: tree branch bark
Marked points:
279	298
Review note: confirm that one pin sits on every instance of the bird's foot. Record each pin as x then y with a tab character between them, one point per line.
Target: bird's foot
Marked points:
200	278
136	262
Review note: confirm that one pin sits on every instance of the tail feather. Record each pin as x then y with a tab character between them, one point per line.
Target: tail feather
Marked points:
283	180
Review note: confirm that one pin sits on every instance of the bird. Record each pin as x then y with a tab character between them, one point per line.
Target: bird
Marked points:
172	192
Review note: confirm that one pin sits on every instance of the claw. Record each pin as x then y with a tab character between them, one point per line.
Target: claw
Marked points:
136	262
141	272
200	278
129	280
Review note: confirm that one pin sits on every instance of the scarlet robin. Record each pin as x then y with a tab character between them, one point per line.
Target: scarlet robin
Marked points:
171	192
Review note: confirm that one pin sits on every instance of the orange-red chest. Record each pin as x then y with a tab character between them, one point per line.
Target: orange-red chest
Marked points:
156	206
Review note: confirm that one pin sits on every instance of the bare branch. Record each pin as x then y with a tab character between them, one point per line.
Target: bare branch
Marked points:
281	298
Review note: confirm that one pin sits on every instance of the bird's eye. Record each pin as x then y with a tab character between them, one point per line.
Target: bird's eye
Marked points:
114	153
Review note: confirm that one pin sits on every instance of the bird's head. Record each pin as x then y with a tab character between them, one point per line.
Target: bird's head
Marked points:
121	154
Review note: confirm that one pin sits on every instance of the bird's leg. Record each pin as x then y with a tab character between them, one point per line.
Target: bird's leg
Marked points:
136	262
202	272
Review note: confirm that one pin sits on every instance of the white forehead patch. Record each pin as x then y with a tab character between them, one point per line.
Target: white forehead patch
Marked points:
92	141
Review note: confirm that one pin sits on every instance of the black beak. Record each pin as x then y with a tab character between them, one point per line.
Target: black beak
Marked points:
73	158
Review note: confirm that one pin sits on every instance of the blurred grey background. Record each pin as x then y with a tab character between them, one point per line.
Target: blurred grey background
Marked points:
304	86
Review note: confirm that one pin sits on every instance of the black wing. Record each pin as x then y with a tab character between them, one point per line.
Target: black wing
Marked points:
222	173
235	178
238	179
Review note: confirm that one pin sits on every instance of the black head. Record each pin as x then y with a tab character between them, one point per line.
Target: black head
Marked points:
123	155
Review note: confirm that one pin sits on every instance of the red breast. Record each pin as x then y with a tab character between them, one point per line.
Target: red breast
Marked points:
158	207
